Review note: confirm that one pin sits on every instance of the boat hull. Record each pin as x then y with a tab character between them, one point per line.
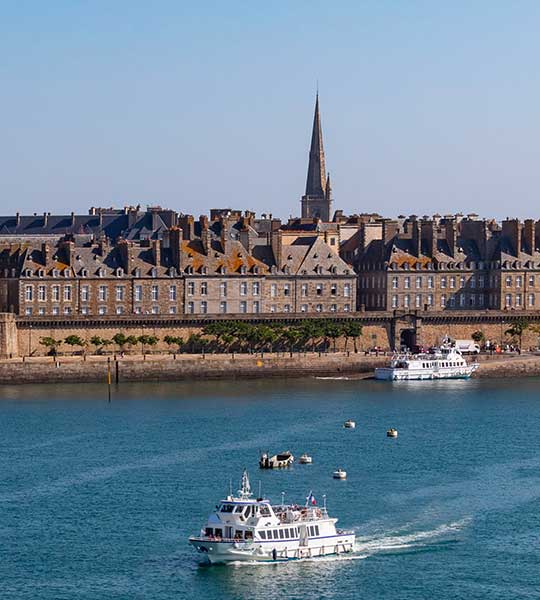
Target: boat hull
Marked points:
391	374
230	551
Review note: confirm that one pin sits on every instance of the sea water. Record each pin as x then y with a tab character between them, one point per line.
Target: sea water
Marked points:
97	500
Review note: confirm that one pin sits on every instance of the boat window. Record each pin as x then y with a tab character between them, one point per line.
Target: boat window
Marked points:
286	531
276	535
238	509
227	508
293	532
269	535
262	535
265	511
281	534
239	534
209	531
218	532
249	535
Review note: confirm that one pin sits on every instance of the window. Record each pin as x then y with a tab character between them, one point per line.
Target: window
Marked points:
42	293
55	310
333	307
395	302
155	310
204	288
318	308
256	287
119	310
430	300
28	310
452	302
472	281
518	300
531	280
347	290
172	310
304	290
462	300
222	307
332	241
287	308
243	288
406	301
395	283
102	310
137	310
508	300
481	300
418	282
531	299
243	306
286	289
319	289
519	280
29	293
172	293
204	307
120	293
481	281
472	300
333	289
418	301
430	282
84	310
347	308
272	308
407	283
191	288
85	293
138	293
256	306
155	293
67	293
443	301
273	290
190	308
303	308
508	281
223	289
102	293
443	282
462	281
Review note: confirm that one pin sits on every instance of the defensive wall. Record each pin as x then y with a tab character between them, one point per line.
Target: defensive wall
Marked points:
20	336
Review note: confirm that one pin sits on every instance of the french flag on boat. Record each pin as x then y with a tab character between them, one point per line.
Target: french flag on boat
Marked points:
311	499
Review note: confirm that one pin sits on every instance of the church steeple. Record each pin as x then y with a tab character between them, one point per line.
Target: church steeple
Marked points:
316	202
316	177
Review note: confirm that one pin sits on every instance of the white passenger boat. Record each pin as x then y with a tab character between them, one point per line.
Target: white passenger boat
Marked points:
446	363
247	529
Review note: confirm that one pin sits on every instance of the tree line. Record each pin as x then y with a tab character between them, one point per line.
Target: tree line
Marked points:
226	336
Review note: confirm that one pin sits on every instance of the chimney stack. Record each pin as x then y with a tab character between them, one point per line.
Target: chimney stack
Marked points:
206	238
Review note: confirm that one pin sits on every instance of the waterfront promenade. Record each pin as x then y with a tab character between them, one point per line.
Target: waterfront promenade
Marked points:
163	367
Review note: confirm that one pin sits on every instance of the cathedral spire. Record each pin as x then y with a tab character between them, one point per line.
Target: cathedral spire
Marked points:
316	177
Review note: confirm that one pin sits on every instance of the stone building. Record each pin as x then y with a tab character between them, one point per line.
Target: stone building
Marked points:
451	263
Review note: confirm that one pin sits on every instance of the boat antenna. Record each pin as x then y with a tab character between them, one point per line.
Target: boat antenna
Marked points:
324	501
282	498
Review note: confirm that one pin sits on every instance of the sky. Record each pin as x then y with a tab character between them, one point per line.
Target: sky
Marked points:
427	107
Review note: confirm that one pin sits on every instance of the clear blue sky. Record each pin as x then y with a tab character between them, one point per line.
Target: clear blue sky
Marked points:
426	106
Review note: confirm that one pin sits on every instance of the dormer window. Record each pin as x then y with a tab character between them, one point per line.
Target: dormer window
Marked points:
28	272
256	270
333	269
189	270
222	270
119	272
41	273
55	273
204	270
172	272
137	272
242	270
101	272
84	273
153	272
67	272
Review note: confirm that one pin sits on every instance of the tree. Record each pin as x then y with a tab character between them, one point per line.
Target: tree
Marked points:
147	340
478	336
120	339
172	340
332	331
74	340
353	330
131	341
517	329
97	341
51	344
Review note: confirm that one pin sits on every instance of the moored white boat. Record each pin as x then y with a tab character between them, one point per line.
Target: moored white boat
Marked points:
339	474
447	363
247	529
349	424
305	459
278	461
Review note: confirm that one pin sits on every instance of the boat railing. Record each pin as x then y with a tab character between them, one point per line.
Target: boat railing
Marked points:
295	514
217	538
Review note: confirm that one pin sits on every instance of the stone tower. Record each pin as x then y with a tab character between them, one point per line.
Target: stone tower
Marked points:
317	201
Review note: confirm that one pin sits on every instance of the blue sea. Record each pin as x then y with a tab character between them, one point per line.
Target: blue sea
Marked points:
97	500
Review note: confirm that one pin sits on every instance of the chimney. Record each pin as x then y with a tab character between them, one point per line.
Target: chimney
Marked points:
277	247
125	249
73	219
156	252
451	236
18	218
46	252
429	234
528	235
416	238
537	235
511	229
224	234
206	238
389	230
45	219
175	240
